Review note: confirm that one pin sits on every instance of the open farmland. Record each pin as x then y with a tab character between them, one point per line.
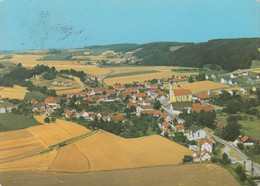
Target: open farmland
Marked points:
66	85
101	151
21	143
16	143
162	72
105	151
9	121
31	60
15	92
199	86
191	174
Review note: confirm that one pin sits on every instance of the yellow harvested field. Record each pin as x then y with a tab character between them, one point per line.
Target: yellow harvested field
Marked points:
199	86
106	151
38	162
18	142
163	72
75	85
16	92
181	175
256	71
31	60
53	133
101	151
70	159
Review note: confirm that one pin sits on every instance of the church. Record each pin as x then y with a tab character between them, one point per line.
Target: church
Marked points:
180	95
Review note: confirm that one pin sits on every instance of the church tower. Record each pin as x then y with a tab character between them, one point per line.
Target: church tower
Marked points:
171	91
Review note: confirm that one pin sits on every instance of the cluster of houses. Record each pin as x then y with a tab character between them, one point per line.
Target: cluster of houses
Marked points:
6	106
203	152
234	76
141	99
61	83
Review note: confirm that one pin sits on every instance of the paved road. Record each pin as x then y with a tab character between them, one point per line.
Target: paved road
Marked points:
238	152
168	111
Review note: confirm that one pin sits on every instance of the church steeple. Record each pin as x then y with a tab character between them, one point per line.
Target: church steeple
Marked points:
171	91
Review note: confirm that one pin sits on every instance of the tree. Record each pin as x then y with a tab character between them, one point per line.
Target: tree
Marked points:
242	176
239	169
190	79
240	146
187	158
231	132
47	120
225	160
53	119
157	105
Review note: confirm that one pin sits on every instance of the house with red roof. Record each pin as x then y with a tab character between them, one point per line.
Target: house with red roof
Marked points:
87	115
179	80
197	107
165	125
98	90
110	92
206	144
179	128
141	108
203	97
119	87
247	141
205	155
68	113
104	115
155	113
118	118
140	96
52	102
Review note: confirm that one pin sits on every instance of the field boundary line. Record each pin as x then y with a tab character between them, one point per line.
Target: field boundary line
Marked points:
53	147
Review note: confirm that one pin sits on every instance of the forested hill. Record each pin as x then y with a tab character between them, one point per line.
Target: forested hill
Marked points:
230	54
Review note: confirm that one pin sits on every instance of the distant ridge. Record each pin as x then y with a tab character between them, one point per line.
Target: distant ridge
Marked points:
229	54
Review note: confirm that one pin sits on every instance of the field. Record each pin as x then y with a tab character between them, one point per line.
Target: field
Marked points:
9	121
255	64
105	151
35	95
191	174
16	92
76	84
21	143
249	127
163	72
101	151
31	60
131	73
200	86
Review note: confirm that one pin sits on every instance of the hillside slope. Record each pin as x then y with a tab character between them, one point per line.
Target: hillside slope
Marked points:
230	54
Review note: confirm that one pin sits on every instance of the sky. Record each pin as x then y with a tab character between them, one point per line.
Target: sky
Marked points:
44	24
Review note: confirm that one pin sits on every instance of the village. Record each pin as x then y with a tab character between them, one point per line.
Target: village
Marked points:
140	100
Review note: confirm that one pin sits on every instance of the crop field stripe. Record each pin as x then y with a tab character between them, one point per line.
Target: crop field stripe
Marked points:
131	73
51	148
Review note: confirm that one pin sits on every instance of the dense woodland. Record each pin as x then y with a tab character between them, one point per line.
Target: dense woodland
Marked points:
230	54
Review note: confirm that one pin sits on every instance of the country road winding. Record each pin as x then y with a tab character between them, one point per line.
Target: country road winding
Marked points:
238	152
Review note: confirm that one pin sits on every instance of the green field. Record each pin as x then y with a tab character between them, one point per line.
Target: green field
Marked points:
255	64
35	95
9	121
251	128
248	127
131	73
